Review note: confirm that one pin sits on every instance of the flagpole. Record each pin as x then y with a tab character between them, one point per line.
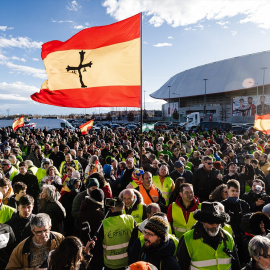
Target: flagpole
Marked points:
141	131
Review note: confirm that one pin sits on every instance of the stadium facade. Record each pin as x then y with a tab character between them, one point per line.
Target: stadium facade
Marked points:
232	91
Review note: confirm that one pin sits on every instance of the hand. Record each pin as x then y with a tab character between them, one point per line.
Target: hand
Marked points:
259	202
155	199
219	176
89	245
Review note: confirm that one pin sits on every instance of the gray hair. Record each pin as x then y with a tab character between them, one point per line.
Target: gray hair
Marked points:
53	194
258	246
150	206
40	220
29	162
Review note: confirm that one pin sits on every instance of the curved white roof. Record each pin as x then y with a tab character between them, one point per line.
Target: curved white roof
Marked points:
223	76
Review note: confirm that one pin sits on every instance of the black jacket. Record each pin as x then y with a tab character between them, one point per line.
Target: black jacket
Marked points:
7	248
21	227
188	175
161	256
32	186
236	212
204	182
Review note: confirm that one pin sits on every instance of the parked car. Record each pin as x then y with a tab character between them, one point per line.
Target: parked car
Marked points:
160	125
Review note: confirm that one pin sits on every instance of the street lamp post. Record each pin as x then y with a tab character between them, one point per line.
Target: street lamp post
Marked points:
178	106
204	107
263	68
169	100
144	100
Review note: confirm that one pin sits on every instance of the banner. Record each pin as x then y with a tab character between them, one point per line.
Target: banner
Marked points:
251	105
97	67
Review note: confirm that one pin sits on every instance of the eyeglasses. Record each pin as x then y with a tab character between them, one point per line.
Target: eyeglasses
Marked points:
149	234
209	163
265	256
38	233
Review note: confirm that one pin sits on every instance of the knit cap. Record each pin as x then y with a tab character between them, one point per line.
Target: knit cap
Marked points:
158	225
97	194
92	182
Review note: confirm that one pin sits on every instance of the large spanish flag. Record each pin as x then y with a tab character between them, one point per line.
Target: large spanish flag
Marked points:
97	67
86	126
18	123
262	123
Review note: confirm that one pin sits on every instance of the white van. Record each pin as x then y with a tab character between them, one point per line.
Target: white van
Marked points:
50	123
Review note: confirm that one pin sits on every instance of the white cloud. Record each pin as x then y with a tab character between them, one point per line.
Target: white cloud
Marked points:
15	97
170	37
20	42
5	28
61	21
79	27
182	13
73	6
162	45
17	58
18	86
35	72
145	42
35	59
222	23
234	33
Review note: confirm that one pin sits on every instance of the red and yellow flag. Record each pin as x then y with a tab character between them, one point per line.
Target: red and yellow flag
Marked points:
262	123
86	126
97	67
18	123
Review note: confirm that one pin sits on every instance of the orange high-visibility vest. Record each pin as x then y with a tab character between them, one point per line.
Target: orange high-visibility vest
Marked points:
153	192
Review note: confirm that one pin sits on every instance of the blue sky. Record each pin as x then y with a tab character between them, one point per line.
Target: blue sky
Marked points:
177	35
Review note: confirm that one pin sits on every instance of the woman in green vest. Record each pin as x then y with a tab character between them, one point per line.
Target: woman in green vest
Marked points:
164	182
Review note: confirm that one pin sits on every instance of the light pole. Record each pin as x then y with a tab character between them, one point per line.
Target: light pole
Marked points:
144	100
178	106
263	68
204	109
169	99
257	95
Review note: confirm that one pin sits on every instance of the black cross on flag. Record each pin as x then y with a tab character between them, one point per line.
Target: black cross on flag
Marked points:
79	67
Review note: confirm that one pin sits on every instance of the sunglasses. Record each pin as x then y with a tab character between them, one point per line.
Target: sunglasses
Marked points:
209	163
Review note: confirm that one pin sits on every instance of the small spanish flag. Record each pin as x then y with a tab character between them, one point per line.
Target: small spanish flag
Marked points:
86	126
262	123
18	123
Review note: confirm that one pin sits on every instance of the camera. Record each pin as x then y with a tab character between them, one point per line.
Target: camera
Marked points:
110	202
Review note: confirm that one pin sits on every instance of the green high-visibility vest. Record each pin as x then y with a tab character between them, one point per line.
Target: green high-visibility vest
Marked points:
40	174
228	228
62	165
33	169
205	257
137	214
117	232
14	173
165	188
179	223
171	236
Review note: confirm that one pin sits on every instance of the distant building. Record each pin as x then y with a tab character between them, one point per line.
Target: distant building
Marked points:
233	89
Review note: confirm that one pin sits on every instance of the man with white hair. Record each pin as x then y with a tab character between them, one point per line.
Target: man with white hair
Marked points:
32	252
259	251
207	245
134	204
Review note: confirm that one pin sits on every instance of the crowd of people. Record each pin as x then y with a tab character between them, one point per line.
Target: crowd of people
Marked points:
113	199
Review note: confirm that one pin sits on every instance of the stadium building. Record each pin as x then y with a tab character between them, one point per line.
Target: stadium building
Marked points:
232	90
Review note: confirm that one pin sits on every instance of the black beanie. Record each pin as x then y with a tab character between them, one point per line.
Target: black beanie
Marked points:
97	194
